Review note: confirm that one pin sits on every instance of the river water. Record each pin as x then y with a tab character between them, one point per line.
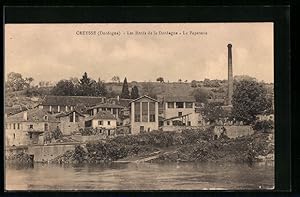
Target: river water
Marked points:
142	176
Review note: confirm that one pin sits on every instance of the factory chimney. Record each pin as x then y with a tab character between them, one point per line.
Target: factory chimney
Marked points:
230	77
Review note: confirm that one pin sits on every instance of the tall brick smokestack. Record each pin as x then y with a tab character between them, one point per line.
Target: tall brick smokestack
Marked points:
230	77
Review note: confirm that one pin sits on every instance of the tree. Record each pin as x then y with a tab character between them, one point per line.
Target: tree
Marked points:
135	92
57	134
160	79
100	88
15	82
249	99
116	79
86	86
125	91
214	111
64	88
28	81
200	95
194	84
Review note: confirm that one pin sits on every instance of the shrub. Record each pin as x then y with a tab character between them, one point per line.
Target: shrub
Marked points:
264	125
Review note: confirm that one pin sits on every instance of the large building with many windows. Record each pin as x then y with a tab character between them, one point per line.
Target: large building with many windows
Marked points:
180	111
144	115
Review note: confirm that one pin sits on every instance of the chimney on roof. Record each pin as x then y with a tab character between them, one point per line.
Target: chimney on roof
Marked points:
230	75
25	115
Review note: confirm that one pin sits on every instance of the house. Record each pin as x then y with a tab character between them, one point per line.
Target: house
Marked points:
104	121
144	115
70	122
59	104
180	111
125	111
26	127
114	109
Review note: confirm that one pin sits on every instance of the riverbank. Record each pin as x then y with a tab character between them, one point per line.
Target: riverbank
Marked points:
188	146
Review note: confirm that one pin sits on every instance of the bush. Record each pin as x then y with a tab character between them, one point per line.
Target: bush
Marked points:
264	125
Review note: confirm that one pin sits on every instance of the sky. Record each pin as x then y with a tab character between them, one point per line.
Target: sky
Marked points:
51	52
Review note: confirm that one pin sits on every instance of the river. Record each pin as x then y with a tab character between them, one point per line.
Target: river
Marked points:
142	176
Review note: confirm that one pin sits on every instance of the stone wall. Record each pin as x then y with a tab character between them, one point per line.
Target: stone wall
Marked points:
181	128
44	153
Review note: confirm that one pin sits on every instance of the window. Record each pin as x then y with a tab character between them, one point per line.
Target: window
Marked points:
179	113
152	117
114	111
179	104
188	105
18	126
71	117
189	123
14	136
137	118
14	125
170	104
108	122
45	117
152	111
31	126
100	122
144	112
168	122
46	127
30	135
137	112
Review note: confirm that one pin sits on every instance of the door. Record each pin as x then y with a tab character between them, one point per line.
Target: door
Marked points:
142	129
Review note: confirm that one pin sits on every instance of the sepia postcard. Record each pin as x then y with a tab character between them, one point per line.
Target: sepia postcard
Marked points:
139	106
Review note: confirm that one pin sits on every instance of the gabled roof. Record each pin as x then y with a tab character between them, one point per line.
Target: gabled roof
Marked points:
179	99
106	105
33	115
68	113
145	96
71	100
13	110
102	115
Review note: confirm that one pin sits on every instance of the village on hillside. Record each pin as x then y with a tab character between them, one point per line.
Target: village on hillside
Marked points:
84	111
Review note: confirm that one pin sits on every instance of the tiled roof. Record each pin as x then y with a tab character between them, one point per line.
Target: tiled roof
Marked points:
71	100
68	113
120	101
106	105
179	99
145	96
102	115
13	110
33	115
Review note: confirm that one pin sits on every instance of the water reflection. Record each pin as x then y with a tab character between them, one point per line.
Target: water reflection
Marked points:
144	176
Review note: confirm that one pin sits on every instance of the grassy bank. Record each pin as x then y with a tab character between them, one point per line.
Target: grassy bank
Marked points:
191	146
